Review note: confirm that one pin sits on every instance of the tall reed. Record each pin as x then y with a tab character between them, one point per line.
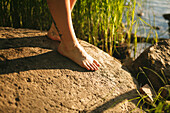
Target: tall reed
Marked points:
97	21
100	22
32	14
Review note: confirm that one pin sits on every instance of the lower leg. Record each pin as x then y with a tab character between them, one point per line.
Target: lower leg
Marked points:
69	46
72	3
53	33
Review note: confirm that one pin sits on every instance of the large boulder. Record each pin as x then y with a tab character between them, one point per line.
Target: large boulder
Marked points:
166	16
154	62
34	77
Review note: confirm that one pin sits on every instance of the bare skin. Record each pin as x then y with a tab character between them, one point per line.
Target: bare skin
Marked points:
69	45
53	33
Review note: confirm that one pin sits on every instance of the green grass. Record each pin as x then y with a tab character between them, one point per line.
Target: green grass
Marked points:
100	22
159	104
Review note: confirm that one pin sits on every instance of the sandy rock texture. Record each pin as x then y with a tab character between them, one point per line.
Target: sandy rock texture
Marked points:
157	59
35	78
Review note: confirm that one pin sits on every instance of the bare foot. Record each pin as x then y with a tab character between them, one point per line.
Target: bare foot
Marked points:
53	33
79	55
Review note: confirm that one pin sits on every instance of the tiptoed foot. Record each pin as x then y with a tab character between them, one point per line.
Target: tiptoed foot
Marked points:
53	33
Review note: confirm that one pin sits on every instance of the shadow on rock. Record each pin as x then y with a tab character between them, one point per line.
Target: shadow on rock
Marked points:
36	41
48	60
115	101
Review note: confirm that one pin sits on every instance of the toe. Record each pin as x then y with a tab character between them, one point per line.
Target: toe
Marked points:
90	66
95	66
96	62
86	66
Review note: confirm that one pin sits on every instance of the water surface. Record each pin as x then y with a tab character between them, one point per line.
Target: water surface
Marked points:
153	11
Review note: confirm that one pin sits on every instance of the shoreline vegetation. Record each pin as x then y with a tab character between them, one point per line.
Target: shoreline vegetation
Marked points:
100	23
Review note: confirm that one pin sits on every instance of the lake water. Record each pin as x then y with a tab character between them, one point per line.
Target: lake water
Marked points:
153	11
140	48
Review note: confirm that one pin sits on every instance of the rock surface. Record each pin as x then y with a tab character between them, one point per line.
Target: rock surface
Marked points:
35	78
166	16
157	58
